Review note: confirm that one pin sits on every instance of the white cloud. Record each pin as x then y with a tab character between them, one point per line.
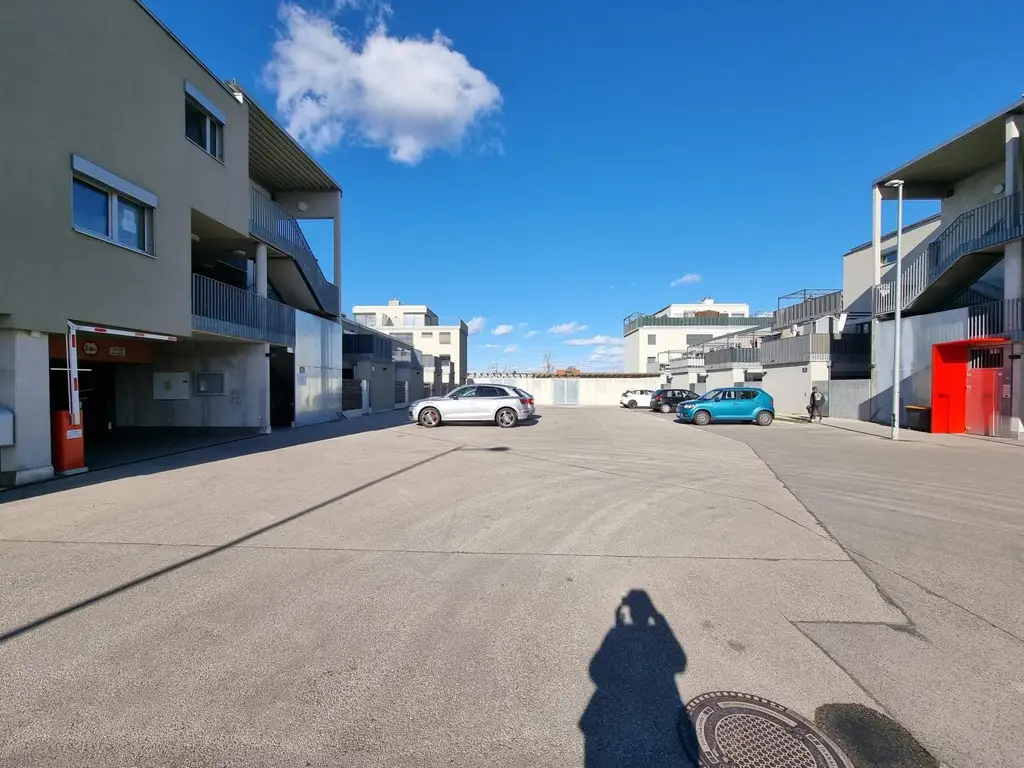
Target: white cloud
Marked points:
476	325
531	334
503	330
410	95
593	341
566	328
522	325
606	358
492	346
686	279
510	349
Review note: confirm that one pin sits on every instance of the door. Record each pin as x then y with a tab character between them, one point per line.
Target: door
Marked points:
728	407
746	404
463	408
487	398
566	391
986	378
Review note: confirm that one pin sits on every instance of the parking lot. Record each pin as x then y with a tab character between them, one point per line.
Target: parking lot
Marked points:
404	596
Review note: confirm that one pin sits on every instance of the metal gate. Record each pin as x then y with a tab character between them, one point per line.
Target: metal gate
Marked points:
988	392
566	391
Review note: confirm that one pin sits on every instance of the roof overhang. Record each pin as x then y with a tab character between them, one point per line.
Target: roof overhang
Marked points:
275	158
929	176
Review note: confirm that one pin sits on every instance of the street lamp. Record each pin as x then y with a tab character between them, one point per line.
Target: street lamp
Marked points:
894	425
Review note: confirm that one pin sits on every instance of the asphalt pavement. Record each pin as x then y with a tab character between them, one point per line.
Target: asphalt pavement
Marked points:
473	596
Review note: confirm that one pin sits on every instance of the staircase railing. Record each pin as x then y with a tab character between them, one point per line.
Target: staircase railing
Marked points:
994	223
273	224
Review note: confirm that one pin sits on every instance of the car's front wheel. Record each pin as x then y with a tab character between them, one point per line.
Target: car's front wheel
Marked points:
702	418
430	417
764	419
506	418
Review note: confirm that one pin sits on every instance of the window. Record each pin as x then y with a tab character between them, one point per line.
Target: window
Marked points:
490	392
416	319
370	321
204	123
465	392
427	361
889	256
652	338
652	359
444	337
209	383
406	337
106	206
428	334
748	394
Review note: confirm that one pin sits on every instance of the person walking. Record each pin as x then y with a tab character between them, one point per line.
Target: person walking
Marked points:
814	407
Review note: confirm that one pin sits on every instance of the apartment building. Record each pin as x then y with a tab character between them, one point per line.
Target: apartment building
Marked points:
651	340
961	287
443	346
154	275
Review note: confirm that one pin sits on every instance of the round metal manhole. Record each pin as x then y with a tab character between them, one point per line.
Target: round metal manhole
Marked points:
739	730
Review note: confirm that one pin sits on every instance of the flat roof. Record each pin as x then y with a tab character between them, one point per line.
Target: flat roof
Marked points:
907	228
275	158
928	175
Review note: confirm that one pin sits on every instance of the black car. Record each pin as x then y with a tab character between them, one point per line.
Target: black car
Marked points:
666	400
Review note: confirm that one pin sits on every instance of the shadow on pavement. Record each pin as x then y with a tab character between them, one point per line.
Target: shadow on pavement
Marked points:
636	716
74	607
870	739
243	445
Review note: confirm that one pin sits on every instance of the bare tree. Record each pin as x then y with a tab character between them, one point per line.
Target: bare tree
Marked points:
547	362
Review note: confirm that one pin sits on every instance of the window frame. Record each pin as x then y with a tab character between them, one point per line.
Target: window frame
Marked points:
215	122
652	339
444	337
116	190
204	375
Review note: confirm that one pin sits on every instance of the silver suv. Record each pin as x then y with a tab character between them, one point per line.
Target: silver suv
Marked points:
500	405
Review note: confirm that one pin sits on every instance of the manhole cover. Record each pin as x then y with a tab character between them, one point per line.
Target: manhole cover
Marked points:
738	730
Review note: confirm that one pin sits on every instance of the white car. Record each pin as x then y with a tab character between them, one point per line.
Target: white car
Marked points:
504	406
636	398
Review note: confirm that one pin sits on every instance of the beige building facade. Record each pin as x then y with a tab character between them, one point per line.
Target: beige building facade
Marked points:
157	212
443	347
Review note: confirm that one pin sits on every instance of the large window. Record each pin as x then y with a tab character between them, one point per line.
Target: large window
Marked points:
204	123
106	206
406	337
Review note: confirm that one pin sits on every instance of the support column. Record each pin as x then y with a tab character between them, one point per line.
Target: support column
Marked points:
25	389
876	255
261	269
337	252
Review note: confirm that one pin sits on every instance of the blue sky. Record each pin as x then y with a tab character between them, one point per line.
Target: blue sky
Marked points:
538	164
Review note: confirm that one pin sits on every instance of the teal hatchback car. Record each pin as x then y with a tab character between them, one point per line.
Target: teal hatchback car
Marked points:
729	404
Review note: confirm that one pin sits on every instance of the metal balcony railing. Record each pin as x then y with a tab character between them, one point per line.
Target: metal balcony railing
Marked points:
637	321
995	319
814	306
229	311
986	226
718	358
274	225
816	347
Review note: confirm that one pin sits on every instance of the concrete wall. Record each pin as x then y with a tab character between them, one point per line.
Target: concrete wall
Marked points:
858	264
246	402
106	82
848	399
790	385
25	389
317	369
728	377
592	391
974	191
919	334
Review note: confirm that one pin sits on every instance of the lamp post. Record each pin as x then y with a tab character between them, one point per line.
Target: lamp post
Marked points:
894	425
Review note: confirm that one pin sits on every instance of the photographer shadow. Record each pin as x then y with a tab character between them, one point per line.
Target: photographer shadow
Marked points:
636	716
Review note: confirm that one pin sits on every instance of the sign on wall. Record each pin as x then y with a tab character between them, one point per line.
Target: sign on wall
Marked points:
172	385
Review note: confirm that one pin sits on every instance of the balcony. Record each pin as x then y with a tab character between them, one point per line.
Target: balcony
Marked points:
931	282
225	310
851	349
812	305
272	224
636	321
731	357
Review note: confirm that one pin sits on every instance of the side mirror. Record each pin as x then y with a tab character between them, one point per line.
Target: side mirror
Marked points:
455	397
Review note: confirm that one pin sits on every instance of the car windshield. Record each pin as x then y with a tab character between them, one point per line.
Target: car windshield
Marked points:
709	395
